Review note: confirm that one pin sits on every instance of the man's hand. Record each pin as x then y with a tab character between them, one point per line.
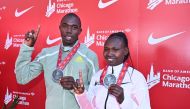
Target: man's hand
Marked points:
67	82
79	85
31	37
116	91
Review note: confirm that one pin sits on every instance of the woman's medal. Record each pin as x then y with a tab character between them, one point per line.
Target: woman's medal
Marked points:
109	79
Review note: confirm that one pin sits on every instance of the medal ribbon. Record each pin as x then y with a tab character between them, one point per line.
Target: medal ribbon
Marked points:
121	75
61	64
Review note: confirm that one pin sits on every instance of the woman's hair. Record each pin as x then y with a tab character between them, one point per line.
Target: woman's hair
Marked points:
123	38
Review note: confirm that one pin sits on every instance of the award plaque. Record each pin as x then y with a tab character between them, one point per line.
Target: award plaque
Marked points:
109	79
57	74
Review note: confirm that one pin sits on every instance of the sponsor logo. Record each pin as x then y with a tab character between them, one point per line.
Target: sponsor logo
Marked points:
171	78
51	41
60	7
23	97
99	37
14	41
153	79
153	41
8	97
176	2
102	35
8	42
152	4
50	9
79	59
102	4
176	78
19	13
89	39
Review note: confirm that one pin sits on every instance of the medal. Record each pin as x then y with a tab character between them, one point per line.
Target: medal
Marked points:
61	64
109	79
56	75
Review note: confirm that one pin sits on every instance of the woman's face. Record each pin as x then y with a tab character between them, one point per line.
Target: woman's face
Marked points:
114	51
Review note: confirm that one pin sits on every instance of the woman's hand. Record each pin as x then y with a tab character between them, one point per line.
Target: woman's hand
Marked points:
116	91
79	85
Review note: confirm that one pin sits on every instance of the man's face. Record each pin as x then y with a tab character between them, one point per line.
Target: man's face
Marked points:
114	51
70	29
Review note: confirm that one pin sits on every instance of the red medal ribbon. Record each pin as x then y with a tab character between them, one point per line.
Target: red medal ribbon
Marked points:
121	75
61	64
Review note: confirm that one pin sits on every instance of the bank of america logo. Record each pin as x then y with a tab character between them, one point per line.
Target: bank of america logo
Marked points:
9	42
8	97
89	39
152	78
50	9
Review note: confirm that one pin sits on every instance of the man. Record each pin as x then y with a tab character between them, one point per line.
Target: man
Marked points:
64	60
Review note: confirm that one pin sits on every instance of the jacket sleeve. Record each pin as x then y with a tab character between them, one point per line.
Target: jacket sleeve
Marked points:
87	99
83	101
142	94
95	66
25	69
139	95
92	59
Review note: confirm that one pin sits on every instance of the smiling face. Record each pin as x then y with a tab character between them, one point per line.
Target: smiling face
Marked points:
115	51
70	28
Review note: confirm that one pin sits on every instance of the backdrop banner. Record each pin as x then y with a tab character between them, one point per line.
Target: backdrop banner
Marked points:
157	30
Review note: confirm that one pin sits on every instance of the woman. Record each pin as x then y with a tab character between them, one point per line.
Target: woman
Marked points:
117	86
